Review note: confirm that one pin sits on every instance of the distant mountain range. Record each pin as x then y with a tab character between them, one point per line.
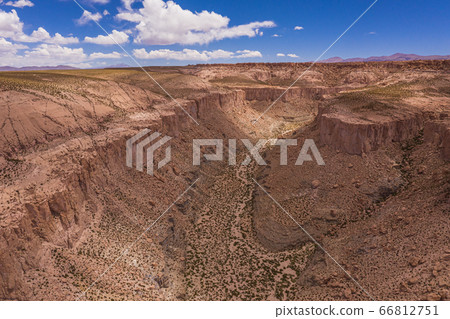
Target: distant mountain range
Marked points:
36	68
118	66
394	57
58	67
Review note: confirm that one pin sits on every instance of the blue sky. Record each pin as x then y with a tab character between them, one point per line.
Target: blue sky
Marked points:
158	32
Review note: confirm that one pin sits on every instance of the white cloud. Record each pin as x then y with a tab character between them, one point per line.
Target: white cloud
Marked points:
194	55
41	35
298	28
248	54
186	54
9	47
56	52
11	27
276	36
217	54
127	4
10	24
105	12
59	39
164	23
20	3
88	16
119	36
53	54
100	55
291	55
373	32
48	54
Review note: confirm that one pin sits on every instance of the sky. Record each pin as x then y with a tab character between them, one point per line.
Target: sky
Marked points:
180	32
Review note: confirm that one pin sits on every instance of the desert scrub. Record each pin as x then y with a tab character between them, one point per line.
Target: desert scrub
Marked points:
23	82
372	95
236	80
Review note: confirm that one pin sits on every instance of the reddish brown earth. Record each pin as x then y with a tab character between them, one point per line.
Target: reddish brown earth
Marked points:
69	206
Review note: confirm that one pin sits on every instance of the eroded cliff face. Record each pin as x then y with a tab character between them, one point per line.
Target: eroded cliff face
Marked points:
43	213
57	233
295	93
58	221
437	132
219	101
42	216
357	135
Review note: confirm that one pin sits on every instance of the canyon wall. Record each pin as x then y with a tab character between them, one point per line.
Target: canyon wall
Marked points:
271	94
59	211
437	132
49	213
222	101
355	135
175	120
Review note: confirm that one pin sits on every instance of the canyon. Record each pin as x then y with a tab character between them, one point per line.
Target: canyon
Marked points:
74	219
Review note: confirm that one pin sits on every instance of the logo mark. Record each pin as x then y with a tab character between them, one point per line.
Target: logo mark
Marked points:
133	146
254	151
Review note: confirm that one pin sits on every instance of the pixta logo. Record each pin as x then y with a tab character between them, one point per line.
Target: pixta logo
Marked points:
150	146
253	151
143	146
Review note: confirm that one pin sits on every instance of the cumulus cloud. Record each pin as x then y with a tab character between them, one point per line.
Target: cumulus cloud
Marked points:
49	55
119	37
11	27
59	39
291	55
100	55
50	49
194	55
276	35
10	24
53	54
41	35
127	4
9	47
20	3
248	54
165	23
298	28
89	16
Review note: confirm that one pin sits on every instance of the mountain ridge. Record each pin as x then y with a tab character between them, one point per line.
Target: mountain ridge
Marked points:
393	57
37	68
